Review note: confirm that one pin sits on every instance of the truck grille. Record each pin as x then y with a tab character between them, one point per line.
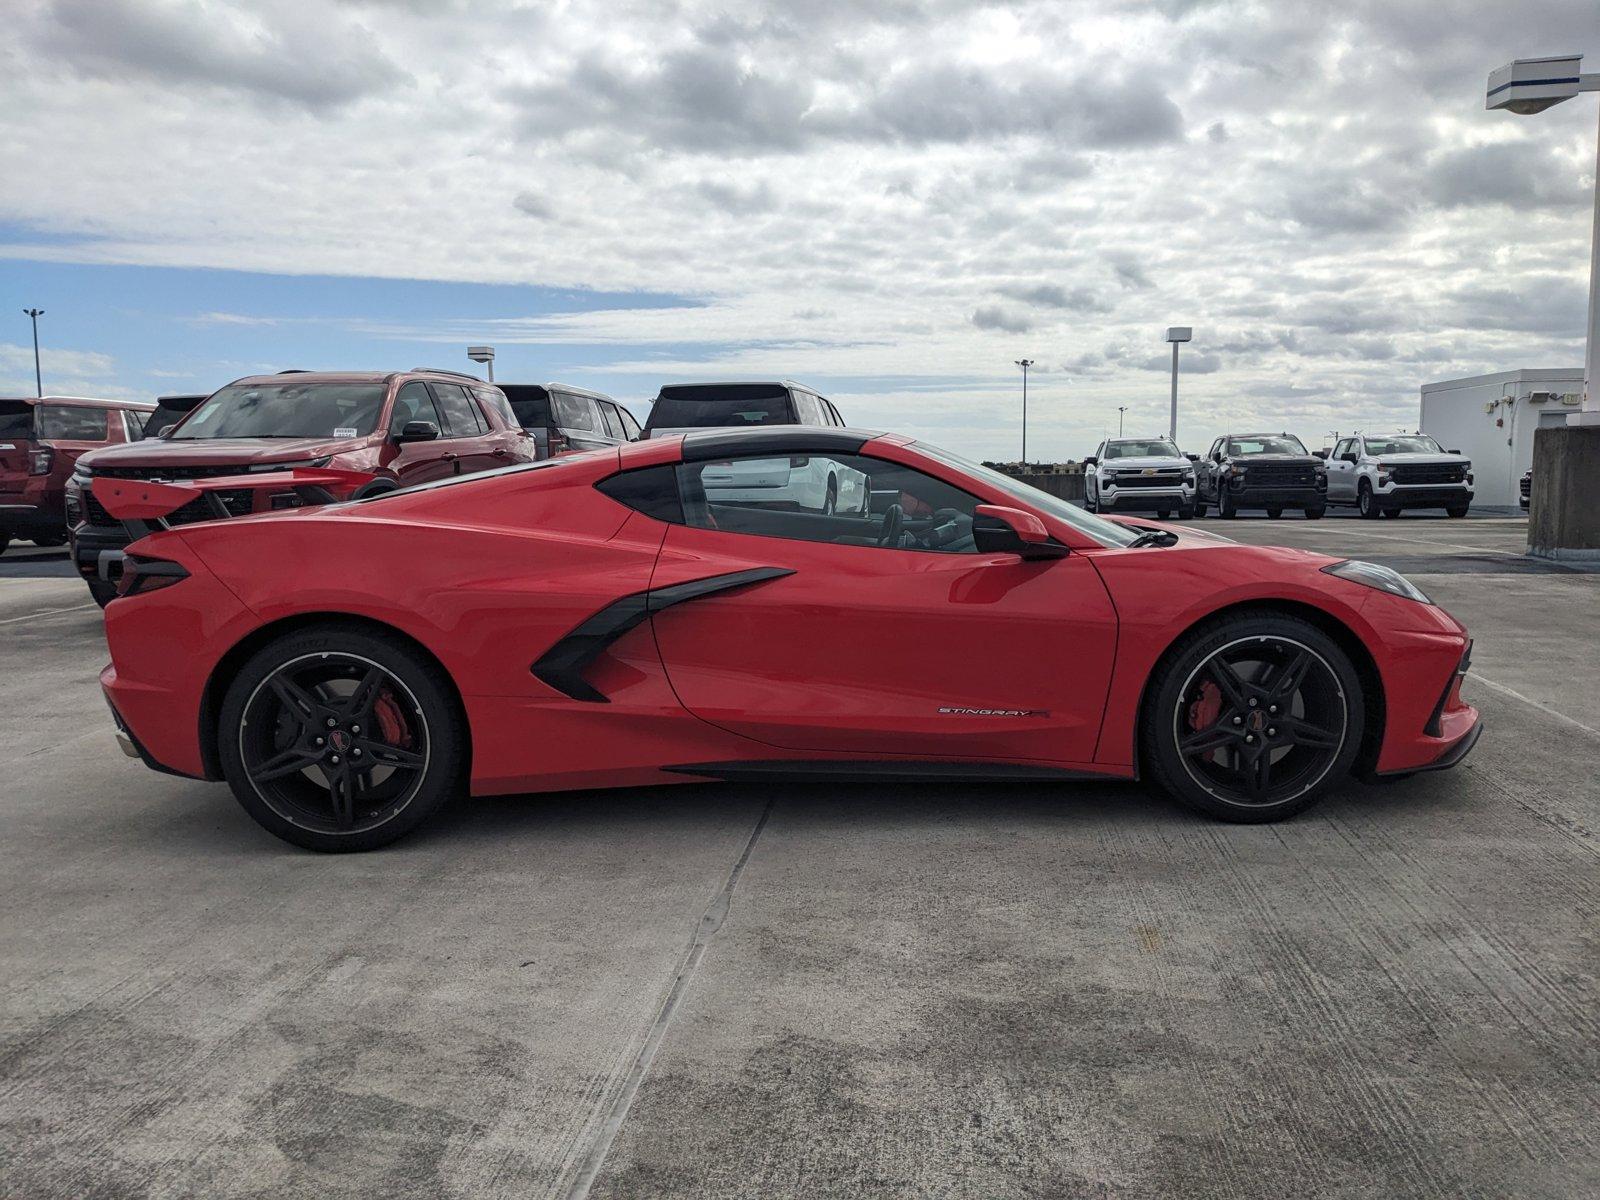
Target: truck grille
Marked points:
1280	474
1428	473
238	501
1527	487
1161	479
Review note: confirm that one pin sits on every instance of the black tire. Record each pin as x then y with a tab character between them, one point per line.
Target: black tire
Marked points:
1391	513
377	487
1456	512
102	592
422	731
1090	503
1188	512
5	539
1199	508
830	499
1316	514
1226	509
1275	512
1163	513
1367	503
1327	693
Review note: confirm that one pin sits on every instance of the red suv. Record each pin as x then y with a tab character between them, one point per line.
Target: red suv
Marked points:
403	427
41	439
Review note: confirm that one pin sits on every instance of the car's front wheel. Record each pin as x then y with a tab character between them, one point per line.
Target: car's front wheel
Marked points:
340	738
1366	503
1456	512
1226	508
1252	718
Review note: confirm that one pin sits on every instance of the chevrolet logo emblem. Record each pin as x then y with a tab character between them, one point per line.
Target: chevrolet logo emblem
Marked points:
1148	471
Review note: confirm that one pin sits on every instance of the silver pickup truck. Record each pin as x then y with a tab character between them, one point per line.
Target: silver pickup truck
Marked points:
1381	474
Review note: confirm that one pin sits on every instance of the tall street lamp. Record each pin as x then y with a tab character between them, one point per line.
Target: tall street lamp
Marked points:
1024	363
483	354
1176	334
38	379
1121	408
1564	524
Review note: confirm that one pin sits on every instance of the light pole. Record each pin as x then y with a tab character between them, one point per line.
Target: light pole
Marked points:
1024	363
38	379
1176	334
483	354
1564	524
1121	408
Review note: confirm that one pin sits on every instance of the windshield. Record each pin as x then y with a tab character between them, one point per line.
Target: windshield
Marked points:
1403	444
1107	533
286	410
1267	444
738	404
1157	448
531	403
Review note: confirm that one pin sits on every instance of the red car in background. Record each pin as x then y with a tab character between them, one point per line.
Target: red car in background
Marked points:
41	440
382	430
600	620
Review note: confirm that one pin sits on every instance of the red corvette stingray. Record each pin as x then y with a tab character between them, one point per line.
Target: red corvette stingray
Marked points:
673	611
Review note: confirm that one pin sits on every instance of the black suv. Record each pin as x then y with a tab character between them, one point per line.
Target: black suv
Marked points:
680	407
565	419
1272	471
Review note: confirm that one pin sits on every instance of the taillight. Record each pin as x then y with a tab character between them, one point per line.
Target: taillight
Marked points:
141	574
40	461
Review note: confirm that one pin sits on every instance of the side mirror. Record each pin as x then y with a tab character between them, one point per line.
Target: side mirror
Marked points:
1217	457
1322	454
1350	456
1192	457
1455	452
1091	461
997	529
418	431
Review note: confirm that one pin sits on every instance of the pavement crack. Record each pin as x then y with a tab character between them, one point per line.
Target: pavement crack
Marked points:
710	922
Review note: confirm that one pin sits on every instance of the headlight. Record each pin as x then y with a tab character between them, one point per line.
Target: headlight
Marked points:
1373	576
1188	476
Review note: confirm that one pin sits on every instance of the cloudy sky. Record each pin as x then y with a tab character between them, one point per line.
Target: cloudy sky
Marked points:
892	199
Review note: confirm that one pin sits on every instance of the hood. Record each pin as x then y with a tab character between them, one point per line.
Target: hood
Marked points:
1430	459
205	452
1141	461
1247	459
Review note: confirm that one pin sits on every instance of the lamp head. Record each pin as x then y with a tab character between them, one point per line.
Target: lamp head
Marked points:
1531	85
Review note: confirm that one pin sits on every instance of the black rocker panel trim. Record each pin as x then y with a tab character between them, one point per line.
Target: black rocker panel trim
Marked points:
876	771
562	666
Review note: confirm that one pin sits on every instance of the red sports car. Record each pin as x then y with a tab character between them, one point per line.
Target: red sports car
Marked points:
630	617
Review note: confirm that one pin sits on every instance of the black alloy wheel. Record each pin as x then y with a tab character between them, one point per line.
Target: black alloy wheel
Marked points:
340	739
1253	719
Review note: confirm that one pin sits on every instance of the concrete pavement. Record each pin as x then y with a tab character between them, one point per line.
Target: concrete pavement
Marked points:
1009	991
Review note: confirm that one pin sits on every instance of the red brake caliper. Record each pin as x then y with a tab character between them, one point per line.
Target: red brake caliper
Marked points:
391	721
1205	709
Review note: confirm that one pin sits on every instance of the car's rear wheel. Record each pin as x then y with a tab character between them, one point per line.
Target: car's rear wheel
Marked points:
1163	513
1253	718
1391	513
104	593
1199	508
1275	512
1316	514
1188	511
1456	512
336	738
830	501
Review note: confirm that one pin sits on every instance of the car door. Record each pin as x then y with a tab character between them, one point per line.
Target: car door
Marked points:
1206	476
1341	473
862	648
416	462
464	444
578	417
1091	481
612	420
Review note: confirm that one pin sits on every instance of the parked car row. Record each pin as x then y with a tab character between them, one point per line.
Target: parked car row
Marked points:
1379	475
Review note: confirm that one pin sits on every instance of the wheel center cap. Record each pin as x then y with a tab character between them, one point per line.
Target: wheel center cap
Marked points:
1256	721
340	740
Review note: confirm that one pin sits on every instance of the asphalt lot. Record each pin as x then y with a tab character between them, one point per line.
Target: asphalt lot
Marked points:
1008	991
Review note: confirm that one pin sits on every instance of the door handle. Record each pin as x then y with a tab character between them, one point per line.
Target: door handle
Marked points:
501	452
449	456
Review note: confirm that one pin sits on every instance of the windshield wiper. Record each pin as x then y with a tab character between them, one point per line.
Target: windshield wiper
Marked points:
1153	537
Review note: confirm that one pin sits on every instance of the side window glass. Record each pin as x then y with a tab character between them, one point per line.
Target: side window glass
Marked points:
458	410
652	491
845	499
630	427
493	400
608	413
575	412
69	422
132	425
834	413
413	403
807	410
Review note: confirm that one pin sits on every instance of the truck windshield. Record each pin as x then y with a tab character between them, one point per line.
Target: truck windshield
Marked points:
1403	444
286	410
1271	444
1158	448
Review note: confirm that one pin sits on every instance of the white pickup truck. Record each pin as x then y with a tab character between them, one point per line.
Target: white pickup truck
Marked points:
1382	474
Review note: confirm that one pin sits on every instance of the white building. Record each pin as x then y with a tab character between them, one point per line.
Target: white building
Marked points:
1491	419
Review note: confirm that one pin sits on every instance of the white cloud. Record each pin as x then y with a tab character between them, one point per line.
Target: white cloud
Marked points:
941	187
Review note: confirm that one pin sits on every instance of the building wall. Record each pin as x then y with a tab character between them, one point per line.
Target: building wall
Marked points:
1455	413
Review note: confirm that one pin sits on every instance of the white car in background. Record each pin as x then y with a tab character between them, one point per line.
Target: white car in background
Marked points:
804	482
1139	475
1381	474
